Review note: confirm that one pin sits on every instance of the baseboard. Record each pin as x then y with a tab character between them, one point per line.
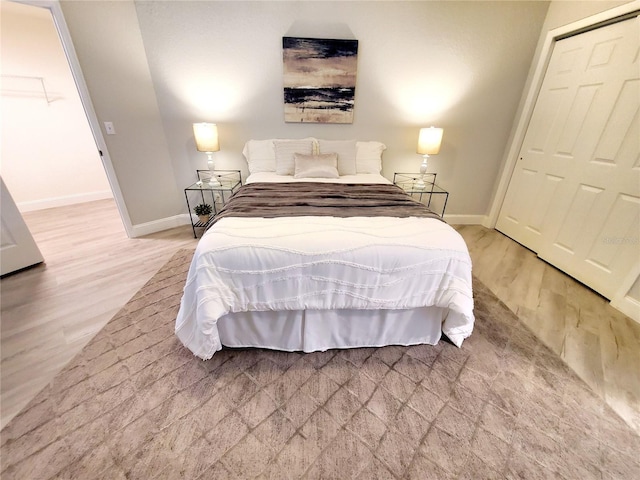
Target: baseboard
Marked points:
629	306
63	201
465	219
148	228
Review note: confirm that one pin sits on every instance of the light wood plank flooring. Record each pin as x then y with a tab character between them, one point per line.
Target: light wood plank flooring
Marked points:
50	312
598	342
92	269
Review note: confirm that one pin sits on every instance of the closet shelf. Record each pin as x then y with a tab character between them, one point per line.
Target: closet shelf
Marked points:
21	89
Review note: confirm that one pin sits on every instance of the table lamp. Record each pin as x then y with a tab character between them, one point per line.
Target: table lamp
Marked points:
206	135
429	142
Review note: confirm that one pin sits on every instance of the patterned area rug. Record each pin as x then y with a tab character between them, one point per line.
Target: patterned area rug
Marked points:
136	404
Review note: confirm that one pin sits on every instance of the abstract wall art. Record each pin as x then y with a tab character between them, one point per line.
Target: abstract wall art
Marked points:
319	79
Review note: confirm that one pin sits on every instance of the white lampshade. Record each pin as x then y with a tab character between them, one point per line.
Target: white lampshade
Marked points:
206	137
429	141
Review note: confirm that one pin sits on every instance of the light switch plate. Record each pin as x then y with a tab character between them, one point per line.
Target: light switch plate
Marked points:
108	126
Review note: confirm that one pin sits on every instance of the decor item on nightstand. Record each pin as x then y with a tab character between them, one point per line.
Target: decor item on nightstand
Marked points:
203	211
206	135
428	144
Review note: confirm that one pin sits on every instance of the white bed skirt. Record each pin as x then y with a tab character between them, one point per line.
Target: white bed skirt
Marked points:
320	330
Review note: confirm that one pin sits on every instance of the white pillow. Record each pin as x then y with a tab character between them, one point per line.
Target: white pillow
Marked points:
316	166
369	157
346	150
285	149
260	155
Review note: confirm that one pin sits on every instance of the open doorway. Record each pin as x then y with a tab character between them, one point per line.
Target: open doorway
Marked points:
49	156
53	13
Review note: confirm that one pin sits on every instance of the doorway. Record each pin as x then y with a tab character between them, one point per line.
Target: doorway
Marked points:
574	197
49	155
89	179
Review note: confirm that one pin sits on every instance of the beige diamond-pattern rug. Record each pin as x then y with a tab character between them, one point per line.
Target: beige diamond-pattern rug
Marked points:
135	404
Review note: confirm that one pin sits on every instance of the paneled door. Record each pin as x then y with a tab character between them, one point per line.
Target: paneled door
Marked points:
574	197
18	250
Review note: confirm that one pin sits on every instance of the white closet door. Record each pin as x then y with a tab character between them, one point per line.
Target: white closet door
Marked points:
17	248
574	197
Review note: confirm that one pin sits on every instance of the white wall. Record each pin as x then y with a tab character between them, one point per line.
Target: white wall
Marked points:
457	65
108	44
49	157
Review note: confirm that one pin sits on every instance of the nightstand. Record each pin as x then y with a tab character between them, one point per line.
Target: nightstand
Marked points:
214	195
434	197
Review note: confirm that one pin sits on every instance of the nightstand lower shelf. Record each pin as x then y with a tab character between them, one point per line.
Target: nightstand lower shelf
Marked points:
202	192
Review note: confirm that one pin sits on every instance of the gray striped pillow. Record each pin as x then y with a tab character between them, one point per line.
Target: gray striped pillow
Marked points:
285	150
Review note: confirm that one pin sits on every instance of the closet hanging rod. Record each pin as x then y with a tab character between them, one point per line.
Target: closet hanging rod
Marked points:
27	77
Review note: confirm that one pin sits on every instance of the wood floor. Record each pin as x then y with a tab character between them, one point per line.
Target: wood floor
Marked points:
598	342
92	269
48	313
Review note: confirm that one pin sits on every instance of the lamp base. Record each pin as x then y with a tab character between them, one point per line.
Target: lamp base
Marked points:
420	185
213	181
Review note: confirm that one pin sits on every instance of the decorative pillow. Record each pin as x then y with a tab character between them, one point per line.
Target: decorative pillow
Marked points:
285	149
369	157
346	150
260	155
316	166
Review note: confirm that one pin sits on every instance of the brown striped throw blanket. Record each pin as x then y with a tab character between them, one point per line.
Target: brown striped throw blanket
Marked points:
296	199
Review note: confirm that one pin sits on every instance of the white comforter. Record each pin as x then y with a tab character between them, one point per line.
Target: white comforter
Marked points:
257	264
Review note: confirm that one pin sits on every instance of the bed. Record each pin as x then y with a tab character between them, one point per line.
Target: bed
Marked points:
325	276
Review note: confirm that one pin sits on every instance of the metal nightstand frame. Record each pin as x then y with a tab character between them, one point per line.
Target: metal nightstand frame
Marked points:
230	181
408	181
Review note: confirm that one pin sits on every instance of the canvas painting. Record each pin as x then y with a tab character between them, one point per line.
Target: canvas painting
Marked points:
319	79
